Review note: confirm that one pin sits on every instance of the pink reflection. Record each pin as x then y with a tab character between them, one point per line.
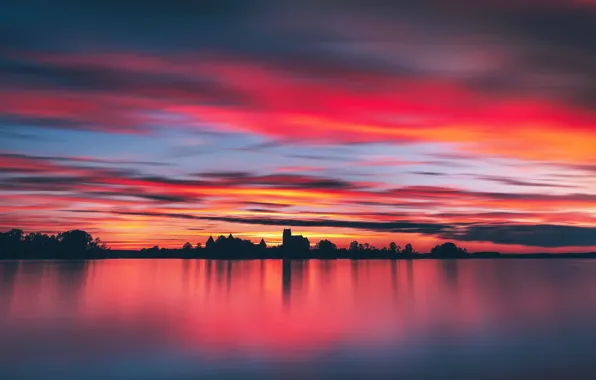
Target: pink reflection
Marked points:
287	308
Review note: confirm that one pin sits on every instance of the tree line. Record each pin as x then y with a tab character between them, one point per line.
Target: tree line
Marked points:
236	248
66	245
79	244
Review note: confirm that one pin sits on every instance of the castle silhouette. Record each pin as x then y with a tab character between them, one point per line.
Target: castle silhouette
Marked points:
294	243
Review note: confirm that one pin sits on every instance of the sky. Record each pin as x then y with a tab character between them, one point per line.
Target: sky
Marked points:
157	123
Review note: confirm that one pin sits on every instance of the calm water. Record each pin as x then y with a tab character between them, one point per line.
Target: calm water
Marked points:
175	319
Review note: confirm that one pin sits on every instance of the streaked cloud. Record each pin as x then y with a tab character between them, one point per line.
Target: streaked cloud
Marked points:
348	115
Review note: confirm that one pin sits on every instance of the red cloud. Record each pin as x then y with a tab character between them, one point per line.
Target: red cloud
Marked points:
272	101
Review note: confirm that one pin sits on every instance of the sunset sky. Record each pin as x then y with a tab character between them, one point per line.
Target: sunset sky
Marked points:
376	121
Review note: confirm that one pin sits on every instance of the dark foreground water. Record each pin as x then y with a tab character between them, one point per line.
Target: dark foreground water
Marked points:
175	319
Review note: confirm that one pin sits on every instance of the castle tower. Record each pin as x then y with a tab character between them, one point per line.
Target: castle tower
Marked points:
287	237
210	243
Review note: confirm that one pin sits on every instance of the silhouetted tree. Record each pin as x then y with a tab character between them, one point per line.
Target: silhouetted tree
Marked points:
326	245
354	246
97	245
74	243
37	244
11	242
187	246
394	248
198	246
448	250
408	250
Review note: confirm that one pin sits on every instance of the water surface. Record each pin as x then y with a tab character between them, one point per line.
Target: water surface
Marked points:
183	319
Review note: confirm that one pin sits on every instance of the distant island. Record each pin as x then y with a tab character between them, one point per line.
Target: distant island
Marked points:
80	245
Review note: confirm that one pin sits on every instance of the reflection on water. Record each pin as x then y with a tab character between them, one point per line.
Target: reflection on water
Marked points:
170	319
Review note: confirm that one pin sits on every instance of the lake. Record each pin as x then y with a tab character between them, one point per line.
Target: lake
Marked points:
186	319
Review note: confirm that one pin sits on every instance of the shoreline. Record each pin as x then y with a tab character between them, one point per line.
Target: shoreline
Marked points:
137	255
